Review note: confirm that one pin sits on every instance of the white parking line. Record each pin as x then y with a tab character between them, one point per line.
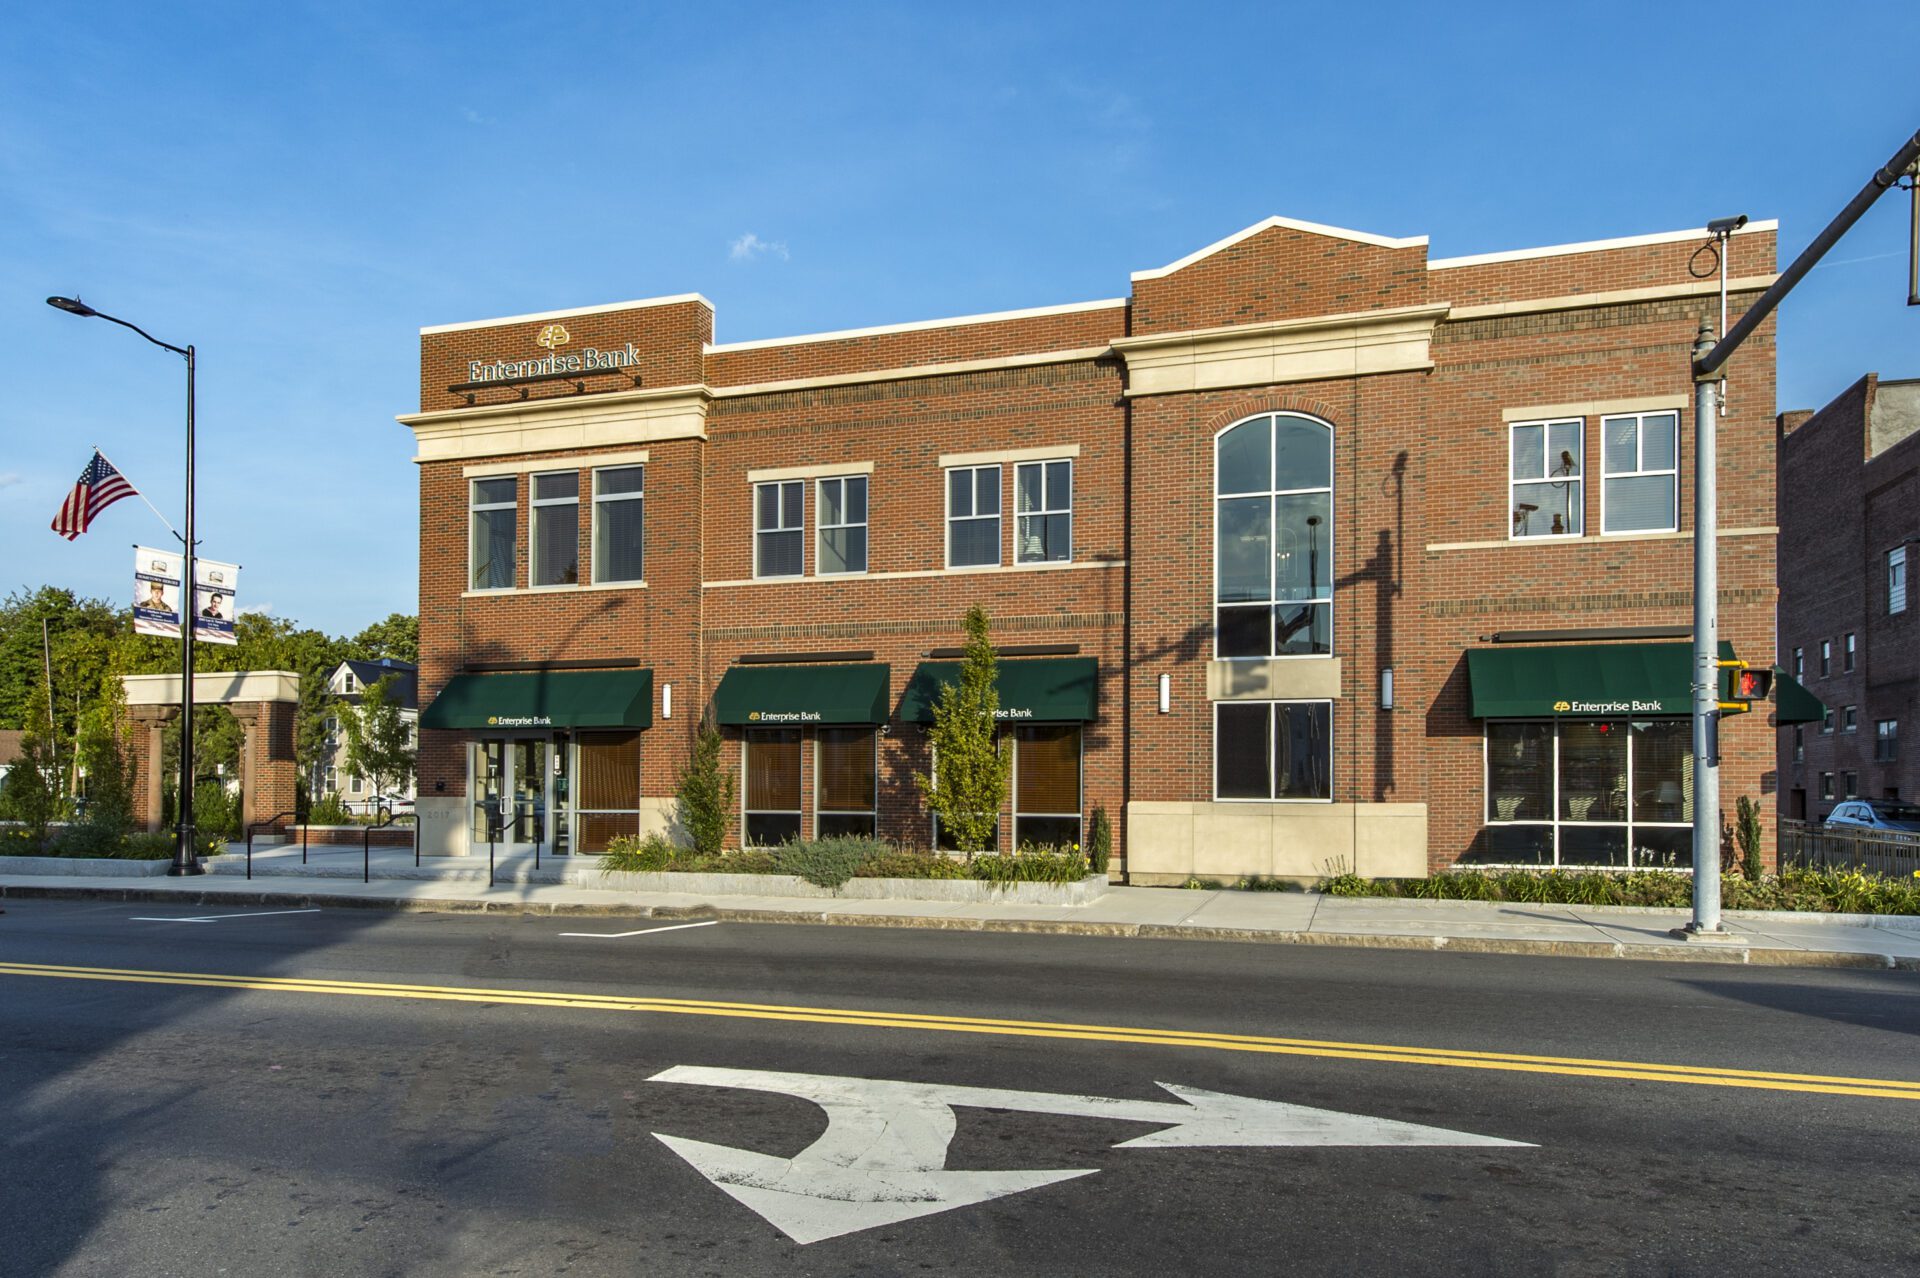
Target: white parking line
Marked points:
215	918
645	931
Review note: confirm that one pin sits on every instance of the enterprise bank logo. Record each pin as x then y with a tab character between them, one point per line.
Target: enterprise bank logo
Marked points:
553	335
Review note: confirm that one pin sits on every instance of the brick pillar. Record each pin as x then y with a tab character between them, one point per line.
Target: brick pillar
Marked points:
148	748
267	770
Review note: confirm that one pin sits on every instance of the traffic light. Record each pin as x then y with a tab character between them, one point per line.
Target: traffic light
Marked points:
1752	684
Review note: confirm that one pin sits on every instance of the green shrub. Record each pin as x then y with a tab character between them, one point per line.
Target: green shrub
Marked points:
1747	833
1099	841
901	864
829	862
705	793
328	809
216	814
1821	891
143	845
1032	864
646	854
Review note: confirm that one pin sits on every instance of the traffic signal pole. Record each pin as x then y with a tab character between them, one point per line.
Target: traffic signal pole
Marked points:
1709	357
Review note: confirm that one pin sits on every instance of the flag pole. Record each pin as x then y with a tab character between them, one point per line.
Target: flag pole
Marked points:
142	496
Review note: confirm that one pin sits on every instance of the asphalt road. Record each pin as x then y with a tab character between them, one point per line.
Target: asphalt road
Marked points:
493	1107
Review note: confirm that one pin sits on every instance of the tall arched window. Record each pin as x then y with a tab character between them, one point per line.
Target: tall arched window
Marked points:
1273	537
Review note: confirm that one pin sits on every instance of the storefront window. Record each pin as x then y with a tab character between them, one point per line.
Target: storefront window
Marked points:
1273	549
773	785
1604	792
1046	785
494	516
607	789
847	781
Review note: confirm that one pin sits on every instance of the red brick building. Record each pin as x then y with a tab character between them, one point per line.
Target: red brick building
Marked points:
1309	553
1849	523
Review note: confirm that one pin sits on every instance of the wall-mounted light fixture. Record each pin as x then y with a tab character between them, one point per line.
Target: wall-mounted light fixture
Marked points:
1386	688
666	701
1166	694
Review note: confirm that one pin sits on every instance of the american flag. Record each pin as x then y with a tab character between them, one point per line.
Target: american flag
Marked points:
98	487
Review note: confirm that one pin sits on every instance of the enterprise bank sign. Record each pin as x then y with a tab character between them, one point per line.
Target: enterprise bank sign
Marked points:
587	359
1609	707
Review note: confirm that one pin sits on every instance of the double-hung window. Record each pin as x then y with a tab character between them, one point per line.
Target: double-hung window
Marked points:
619	523
1799	663
1826	657
1799	745
1544	478
1043	512
1640	484
840	507
1846	654
1850	718
493	516
1826	721
779	539
556	529
1273	538
973	517
1896	580
1273	750
1886	741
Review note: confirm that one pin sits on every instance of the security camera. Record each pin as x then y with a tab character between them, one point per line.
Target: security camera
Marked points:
1726	225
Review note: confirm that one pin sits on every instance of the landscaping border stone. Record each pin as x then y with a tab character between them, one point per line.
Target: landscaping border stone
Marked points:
102	867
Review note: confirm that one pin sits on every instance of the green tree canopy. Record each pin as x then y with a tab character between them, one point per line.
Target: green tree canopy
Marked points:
970	773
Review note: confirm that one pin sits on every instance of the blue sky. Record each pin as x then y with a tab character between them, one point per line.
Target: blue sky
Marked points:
297	188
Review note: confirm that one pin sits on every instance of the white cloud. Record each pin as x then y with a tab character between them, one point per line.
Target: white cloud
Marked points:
750	246
8	478
264	610
472	116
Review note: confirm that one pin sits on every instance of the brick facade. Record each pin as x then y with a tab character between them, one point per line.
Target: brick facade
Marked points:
1413	364
1849	493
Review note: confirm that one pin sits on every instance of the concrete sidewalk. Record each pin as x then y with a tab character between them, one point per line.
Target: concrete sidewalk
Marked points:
1297	918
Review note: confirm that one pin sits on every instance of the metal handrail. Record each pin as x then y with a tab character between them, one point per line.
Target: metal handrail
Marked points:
366	841
270	821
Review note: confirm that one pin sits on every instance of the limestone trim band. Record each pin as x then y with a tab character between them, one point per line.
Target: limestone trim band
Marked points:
1595	408
629	457
1595	539
820	470
1055	452
918	572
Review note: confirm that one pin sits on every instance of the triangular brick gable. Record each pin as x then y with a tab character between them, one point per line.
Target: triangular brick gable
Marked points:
1280	269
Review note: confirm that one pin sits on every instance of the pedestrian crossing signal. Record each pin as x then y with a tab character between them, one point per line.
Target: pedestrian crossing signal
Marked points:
1752	684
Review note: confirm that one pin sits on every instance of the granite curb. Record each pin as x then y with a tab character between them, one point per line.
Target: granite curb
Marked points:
1736	954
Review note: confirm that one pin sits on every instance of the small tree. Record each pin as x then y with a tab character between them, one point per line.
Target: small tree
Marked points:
1099	840
1746	831
970	773
108	764
377	737
705	792
32	794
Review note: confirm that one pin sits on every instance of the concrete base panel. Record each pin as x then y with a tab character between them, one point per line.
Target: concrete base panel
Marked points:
1174	842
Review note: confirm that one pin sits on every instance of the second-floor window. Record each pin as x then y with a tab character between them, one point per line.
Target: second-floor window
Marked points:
1043	512
619	523
1846	653
1799	663
1273	537
1886	741
1640	484
1548	493
1826	657
779	520
973	517
493	517
555	553
1897	580
841	510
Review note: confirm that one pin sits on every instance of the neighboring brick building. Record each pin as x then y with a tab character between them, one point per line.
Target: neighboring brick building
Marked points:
624	523
1849	523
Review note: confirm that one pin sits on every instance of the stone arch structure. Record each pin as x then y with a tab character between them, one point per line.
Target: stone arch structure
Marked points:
263	701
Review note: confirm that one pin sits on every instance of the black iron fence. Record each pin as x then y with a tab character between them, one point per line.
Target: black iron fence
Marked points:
1815	845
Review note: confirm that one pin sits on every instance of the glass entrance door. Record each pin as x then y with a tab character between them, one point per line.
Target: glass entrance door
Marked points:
513	793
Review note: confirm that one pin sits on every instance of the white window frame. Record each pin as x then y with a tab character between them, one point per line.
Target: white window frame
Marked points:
998	517
1273	756
1847	647
1639	456
593	534
1826	786
1272	494
1826	658
1578	480
873	812
821	528
780	509
1897	580
535	503
1043	510
1849	718
1799	663
474	507
1014	734
1629	824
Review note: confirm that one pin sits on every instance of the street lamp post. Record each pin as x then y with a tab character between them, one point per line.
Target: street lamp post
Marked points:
184	860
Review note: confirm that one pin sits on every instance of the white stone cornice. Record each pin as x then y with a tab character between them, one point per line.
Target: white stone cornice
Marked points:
1315	348
561	423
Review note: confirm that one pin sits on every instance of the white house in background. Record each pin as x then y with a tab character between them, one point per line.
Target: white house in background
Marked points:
9	752
347	683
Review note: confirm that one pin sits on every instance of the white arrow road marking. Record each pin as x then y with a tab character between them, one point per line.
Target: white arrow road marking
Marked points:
883	1156
645	931
215	918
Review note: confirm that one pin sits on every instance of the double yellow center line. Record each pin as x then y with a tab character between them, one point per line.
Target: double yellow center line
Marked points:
1571	1066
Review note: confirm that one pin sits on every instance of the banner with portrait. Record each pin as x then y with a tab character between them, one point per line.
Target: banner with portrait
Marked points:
156	592
214	604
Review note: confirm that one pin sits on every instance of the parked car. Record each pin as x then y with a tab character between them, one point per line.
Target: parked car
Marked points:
1878	814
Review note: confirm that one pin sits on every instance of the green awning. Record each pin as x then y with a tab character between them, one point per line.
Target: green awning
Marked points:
545	699
1792	703
1584	679
772	696
1049	689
